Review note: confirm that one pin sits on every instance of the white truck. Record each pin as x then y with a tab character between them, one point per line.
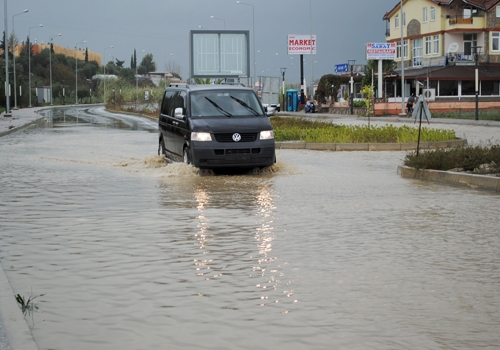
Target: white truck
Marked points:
270	95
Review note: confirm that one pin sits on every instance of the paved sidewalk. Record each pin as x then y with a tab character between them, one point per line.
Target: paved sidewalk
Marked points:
19	119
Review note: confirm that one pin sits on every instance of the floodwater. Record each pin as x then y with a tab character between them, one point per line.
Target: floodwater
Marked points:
326	250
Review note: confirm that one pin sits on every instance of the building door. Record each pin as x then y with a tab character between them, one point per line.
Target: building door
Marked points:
470	41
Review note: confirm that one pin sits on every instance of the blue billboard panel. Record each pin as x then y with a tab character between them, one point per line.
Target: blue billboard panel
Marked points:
341	68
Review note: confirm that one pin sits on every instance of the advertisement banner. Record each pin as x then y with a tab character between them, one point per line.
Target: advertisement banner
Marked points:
301	44
380	51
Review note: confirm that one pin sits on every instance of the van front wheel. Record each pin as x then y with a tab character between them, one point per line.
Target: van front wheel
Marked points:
185	156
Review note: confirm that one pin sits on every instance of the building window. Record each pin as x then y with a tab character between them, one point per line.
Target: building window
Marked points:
498	11
417	52
396	21
495	41
424	17
403	19
428	45
436	45
433	13
405	49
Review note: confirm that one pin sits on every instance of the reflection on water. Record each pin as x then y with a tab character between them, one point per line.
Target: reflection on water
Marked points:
327	250
96	117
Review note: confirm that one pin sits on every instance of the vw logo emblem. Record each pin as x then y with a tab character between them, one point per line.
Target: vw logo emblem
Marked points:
236	137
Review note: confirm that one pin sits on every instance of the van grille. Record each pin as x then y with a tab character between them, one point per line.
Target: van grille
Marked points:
228	137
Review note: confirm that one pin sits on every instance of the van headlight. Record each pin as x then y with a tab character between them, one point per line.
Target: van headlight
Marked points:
201	136
266	135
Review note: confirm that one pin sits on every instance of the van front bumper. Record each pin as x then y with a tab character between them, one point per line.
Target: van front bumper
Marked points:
221	155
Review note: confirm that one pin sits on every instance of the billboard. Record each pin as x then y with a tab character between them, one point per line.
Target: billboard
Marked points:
301	44
341	68
380	51
219	53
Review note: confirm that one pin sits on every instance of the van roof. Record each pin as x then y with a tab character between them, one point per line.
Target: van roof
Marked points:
195	87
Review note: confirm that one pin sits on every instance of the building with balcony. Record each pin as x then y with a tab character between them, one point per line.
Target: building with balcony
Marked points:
439	42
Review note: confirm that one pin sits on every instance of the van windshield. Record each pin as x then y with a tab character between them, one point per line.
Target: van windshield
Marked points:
225	103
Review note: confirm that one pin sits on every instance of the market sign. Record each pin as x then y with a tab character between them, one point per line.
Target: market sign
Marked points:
380	51
301	44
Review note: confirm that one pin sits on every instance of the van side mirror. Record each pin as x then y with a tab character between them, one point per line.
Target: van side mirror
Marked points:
178	113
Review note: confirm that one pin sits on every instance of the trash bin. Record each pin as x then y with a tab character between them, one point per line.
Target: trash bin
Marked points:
291	100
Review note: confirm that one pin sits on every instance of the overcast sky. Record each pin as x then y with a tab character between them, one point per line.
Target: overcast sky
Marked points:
161	27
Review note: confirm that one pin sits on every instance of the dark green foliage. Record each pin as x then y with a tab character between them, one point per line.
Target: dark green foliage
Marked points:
466	158
325	86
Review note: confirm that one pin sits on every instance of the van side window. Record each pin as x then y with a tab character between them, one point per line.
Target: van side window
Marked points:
172	100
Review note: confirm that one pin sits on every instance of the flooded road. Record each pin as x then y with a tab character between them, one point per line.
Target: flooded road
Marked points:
327	250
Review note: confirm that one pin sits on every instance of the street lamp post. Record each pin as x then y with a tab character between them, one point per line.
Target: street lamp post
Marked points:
29	61
6	52
220	19
104	65
76	70
253	34
14	59
476	60
311	49
136	84
283	70
351	98
50	65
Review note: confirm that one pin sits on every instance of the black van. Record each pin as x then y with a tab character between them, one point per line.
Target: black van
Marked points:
215	126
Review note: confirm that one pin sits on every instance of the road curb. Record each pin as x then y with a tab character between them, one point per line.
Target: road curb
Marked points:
483	182
339	147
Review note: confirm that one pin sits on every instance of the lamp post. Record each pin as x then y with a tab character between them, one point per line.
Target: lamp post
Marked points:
136	84
220	19
104	65
14	59
351	98
311	50
253	34
50	65
402	62
283	70
476	60
29	61
6	52
76	70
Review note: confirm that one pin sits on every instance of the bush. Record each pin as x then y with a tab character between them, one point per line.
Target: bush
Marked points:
298	129
466	158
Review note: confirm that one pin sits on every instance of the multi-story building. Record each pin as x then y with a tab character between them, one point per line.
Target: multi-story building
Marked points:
439	42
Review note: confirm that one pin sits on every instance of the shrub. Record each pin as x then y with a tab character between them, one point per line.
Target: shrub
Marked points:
298	129
466	158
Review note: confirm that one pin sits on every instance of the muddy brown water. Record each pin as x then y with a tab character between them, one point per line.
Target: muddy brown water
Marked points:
325	250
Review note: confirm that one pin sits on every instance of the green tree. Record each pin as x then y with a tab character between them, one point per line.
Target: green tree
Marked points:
119	63
147	64
325	86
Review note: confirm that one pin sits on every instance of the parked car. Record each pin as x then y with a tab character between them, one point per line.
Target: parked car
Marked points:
270	109
215	126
